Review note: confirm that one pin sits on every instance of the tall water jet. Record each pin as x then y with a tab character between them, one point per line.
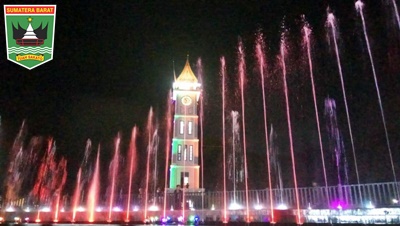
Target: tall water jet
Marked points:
201	119
260	46
331	22
359	7
306	41
114	166
76	197
14	180
94	189
168	130
285	88
223	72
242	74
132	169
235	160
50	179
87	170
154	154
396	12
275	164
82	180
61	178
151	134
336	144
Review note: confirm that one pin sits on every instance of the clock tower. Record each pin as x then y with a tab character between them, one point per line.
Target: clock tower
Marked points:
184	168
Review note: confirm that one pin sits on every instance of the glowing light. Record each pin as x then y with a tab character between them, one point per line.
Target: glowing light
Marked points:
235	206
136	208
258	207
17	219
212	207
80	209
10	209
282	207
395	201
153	208
369	205
37	220
45	209
180	218
117	209
27	209
1	219
26	219
99	209
165	219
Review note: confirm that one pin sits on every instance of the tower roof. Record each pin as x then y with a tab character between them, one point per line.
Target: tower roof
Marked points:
187	74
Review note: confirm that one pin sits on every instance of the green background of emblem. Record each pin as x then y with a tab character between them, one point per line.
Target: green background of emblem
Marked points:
36	21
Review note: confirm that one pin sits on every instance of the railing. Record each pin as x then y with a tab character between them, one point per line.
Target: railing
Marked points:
344	196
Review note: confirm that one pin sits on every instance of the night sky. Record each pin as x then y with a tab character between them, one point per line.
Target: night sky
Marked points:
114	60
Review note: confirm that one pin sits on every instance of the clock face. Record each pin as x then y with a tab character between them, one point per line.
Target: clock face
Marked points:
186	100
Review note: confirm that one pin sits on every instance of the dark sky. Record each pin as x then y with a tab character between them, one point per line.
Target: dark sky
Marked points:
113	61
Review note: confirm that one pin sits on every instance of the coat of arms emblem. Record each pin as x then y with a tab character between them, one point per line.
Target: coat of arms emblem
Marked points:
30	33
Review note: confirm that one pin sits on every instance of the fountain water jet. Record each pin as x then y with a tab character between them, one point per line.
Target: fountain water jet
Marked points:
242	73
260	46
222	72
396	12
132	169
359	7
152	144
306	36
114	166
94	189
167	150
201	117
331	22
285	88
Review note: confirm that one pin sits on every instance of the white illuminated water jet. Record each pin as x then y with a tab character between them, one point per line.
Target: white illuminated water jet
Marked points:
331	22
359	7
283	64
307	33
223	72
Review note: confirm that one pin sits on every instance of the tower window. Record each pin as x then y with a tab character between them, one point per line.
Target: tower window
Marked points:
191	153
190	127
179	152
181	127
185	153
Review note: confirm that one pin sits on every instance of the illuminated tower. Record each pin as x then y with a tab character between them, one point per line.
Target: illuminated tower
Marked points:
184	168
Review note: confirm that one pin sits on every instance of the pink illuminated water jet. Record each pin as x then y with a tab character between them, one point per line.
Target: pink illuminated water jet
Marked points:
201	120
76	196
150	131
94	189
167	149
283	64
132	169
260	46
114	166
223	71
242	74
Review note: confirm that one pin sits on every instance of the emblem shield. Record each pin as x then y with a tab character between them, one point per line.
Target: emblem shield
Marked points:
30	34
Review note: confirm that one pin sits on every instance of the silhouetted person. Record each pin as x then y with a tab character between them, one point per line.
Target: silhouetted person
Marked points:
178	197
